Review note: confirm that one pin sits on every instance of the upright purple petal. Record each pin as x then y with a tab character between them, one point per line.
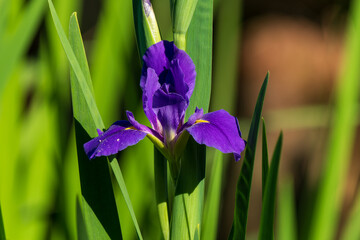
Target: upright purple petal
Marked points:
119	136
188	68
219	130
160	56
179	85
170	109
151	86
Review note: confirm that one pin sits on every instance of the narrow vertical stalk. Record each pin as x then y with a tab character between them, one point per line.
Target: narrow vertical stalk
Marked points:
161	190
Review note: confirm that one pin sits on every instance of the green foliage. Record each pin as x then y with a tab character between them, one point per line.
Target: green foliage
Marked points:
268	206
14	44
265	158
352	230
161	192
189	194
342	135
147	30
213	197
89	227
242	198
286	212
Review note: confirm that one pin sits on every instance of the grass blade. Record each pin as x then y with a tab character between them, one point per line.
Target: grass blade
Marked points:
342	136
120	180
212	204
242	197
265	158
94	175
286	213
268	205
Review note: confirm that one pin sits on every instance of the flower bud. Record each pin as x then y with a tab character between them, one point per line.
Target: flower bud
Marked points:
147	30
182	13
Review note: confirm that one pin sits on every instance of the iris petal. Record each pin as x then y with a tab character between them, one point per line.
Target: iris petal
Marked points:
151	86
160	56
170	109
219	130
119	136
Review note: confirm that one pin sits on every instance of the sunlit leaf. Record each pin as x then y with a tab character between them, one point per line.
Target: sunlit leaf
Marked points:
268	206
242	197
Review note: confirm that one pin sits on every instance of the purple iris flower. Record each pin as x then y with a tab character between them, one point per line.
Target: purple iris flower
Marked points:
167	81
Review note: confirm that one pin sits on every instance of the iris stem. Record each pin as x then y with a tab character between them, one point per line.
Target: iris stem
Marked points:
180	40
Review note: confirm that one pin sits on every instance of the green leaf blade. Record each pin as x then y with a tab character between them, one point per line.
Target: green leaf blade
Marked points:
94	175
287	212
242	197
212	204
268	206
265	158
341	136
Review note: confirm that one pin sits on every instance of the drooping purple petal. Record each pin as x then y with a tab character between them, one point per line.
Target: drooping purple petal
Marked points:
151	86
119	136
219	130
170	109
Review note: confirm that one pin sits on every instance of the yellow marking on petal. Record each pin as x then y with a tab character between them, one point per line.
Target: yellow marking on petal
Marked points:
201	121
130	128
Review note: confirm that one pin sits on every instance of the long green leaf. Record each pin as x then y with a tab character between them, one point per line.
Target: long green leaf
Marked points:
161	190
212	203
94	175
265	158
342	136
268	206
189	194
227	35
242	197
120	180
199	47
2	229
88	220
287	212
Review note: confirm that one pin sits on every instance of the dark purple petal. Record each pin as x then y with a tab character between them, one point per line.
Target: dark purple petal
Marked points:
170	109
160	56
119	136
188	68
179	85
151	86
219	130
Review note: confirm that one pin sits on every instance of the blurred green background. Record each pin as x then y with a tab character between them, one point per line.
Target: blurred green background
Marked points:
304	44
